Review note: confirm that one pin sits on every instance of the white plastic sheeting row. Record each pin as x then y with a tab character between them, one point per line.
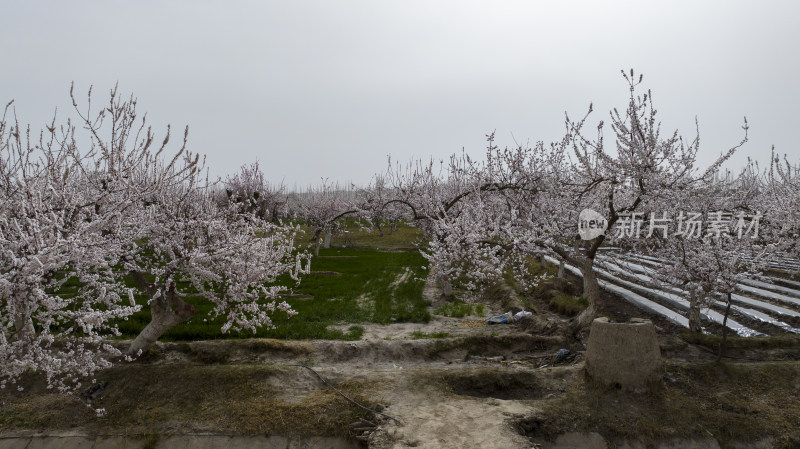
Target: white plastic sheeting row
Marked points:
630	277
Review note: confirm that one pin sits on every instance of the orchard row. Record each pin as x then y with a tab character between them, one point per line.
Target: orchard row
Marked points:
126	213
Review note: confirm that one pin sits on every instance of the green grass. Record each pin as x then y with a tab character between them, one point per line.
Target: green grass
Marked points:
365	291
460	309
535	268
353	236
567	304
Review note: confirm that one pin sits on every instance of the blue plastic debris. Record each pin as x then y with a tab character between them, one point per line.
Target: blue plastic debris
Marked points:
500	319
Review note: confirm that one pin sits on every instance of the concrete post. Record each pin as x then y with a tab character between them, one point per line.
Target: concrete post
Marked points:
624	354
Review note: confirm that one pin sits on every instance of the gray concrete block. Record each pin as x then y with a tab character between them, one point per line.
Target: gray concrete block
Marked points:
623	354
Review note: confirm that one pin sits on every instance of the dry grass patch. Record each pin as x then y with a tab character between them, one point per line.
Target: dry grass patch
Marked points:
493	345
732	402
245	399
495	383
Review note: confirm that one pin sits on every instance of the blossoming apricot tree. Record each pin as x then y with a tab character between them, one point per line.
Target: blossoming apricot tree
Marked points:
80	211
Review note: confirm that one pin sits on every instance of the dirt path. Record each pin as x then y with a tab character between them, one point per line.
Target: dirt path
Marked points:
432	420
432	416
441	401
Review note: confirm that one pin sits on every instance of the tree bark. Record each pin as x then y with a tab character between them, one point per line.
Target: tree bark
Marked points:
722	346
316	246
317	239
328	238
591	292
167	311
447	287
561	269
694	312
23	326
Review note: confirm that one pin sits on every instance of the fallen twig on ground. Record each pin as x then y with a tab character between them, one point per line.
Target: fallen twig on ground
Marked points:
344	395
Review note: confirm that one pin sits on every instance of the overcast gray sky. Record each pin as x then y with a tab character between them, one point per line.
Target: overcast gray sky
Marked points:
328	89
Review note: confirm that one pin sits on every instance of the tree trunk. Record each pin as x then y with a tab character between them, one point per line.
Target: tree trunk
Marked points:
316	246
447	287
694	312
561	270
23	326
328	238
168	310
591	292
317	239
722	345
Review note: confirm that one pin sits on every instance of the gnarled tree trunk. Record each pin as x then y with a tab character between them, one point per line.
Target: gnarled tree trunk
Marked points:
694	311
724	344
447	287
591	292
317	241
167	310
23	326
